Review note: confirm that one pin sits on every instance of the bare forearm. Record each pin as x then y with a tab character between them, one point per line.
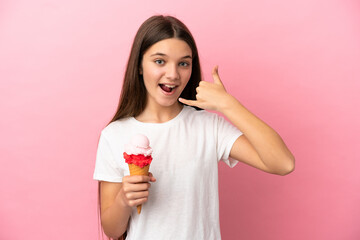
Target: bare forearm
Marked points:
115	220
267	142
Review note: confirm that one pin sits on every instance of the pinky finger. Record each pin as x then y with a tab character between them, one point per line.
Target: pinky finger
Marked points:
189	102
139	201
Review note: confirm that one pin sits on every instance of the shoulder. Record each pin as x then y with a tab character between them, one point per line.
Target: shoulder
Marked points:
116	134
115	127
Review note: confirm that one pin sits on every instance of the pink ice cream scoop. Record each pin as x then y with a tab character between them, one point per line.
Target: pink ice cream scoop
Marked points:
139	145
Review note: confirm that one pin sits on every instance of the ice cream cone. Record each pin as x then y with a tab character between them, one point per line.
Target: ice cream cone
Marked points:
136	170
138	157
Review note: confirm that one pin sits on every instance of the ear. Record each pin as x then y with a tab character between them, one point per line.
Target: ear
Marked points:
140	70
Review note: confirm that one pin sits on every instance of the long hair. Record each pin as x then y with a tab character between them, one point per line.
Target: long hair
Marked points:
133	94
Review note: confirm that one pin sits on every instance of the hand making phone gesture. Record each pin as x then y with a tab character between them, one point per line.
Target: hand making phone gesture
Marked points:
210	95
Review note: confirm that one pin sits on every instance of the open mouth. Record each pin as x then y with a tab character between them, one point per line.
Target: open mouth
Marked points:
167	88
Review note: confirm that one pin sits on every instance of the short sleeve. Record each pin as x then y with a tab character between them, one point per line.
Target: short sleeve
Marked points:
227	135
106	167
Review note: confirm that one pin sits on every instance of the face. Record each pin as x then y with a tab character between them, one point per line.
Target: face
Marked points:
166	69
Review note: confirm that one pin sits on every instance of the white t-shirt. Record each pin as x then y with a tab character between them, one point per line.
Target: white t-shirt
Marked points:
183	203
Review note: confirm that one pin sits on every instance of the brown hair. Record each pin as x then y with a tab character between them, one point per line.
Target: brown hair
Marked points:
133	94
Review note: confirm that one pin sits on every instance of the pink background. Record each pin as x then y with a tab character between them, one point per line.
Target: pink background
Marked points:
295	64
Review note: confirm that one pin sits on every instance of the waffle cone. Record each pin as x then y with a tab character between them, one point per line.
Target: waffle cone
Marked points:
136	170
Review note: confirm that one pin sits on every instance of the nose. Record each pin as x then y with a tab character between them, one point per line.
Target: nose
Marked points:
172	72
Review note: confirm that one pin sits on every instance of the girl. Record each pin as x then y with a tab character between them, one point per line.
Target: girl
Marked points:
163	97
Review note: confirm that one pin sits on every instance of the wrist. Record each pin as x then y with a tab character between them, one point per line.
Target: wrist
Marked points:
228	102
121	202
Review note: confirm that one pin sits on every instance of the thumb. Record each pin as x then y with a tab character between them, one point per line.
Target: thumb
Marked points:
189	102
216	77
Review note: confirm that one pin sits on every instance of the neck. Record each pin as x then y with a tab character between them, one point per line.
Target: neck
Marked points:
159	114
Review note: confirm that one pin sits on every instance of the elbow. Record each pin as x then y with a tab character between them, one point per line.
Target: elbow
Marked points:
286	171
284	167
288	167
111	232
112	235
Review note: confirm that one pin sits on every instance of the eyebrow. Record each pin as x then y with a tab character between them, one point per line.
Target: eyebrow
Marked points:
163	54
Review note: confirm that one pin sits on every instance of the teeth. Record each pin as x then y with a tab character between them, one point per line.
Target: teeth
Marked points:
169	86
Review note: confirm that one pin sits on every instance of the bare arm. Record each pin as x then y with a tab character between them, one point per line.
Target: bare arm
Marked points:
260	146
114	215
117	201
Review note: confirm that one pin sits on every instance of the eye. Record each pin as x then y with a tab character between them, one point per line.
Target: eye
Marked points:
159	61
184	64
